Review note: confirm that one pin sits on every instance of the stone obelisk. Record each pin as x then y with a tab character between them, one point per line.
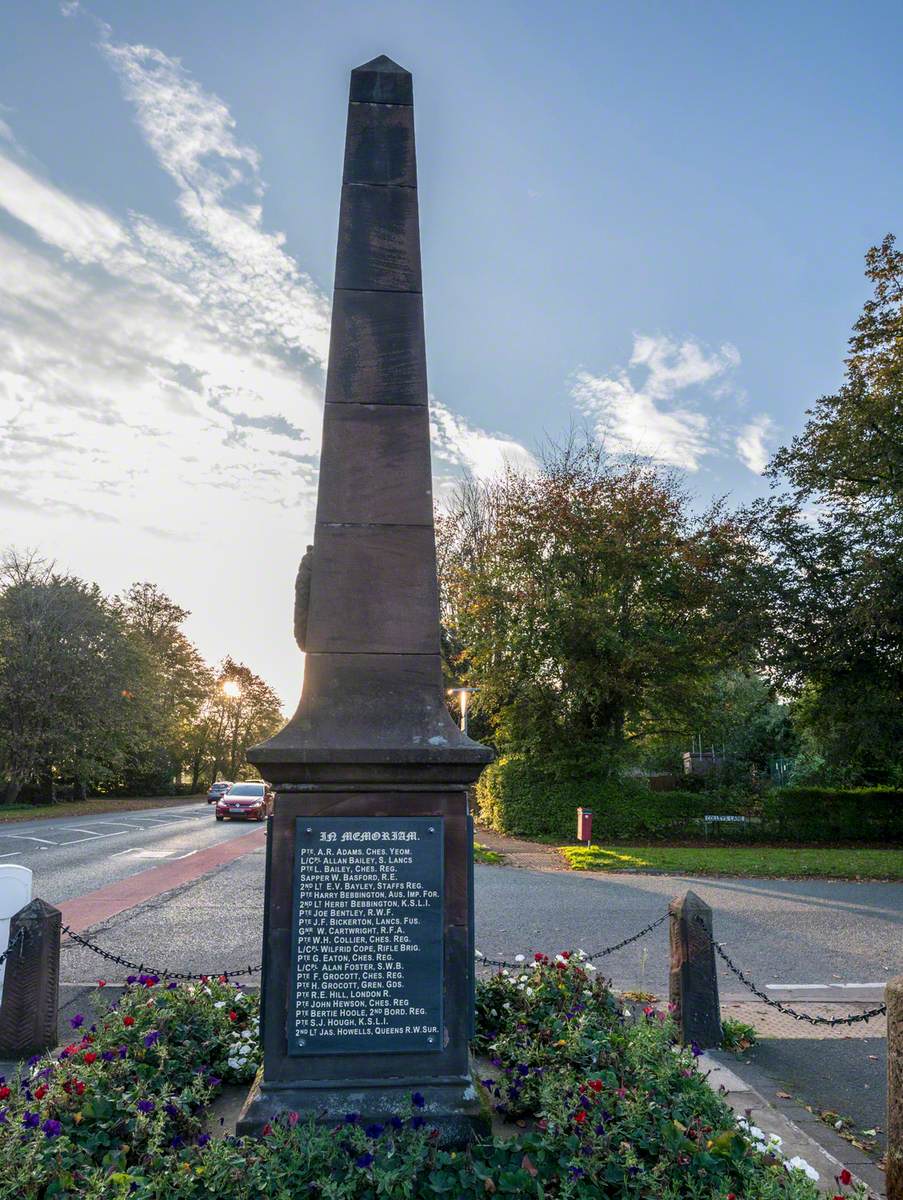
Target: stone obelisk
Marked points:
371	814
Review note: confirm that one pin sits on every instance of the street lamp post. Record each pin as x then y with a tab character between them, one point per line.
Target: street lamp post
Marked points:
463	694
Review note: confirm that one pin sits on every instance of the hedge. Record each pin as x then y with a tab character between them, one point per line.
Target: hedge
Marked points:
867	814
526	797
520	796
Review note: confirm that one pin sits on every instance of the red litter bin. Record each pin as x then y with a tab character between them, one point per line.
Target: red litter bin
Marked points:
585	825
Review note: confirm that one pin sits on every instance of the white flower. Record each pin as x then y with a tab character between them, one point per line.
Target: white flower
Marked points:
590	967
529	991
519	958
220	1004
480	954
800	1164
560	958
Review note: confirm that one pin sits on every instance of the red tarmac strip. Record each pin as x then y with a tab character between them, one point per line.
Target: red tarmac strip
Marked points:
82	912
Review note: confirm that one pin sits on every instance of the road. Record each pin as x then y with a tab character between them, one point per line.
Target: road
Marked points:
71	856
779	931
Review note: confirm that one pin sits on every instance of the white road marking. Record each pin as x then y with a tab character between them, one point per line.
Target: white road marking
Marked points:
131	850
75	829
816	987
188	855
11	853
26	838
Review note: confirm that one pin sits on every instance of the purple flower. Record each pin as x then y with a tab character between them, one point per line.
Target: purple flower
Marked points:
3	1112
123	1051
375	1131
170	1110
418	1101
419	1122
31	1120
52	1128
35	1058
171	987
151	1038
146	1106
600	1129
77	1021
396	1122
214	1080
351	1118
203	1139
364	1160
696	1050
177	1142
131	978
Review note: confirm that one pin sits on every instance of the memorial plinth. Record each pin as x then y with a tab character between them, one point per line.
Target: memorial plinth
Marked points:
368	929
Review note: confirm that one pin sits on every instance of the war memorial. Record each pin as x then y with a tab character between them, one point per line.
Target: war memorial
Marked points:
368	929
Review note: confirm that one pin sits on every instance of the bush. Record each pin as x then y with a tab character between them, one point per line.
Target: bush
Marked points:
605	1110
518	795
835	814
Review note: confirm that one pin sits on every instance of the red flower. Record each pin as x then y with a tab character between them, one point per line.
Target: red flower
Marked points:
128	1020
4	1092
79	1087
845	1177
89	1056
731	1196
565	954
224	979
101	983
267	1129
580	1116
233	1015
595	1084
40	1092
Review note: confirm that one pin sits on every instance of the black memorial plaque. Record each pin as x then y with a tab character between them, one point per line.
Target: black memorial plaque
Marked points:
368	943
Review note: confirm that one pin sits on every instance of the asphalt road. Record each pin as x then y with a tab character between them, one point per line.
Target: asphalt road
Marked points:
71	856
780	932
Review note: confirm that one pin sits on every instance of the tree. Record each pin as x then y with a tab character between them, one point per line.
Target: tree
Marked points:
181	682
67	674
590	605
837	638
239	710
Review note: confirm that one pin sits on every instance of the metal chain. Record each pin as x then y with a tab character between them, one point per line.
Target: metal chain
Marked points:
850	1019
161	972
635	937
20	937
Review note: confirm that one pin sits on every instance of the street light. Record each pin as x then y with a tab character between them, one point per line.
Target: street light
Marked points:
462	693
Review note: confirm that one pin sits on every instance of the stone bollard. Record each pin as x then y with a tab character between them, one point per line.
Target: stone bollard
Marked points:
693	982
893	997
30	1005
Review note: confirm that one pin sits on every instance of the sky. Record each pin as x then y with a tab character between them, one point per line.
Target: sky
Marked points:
648	219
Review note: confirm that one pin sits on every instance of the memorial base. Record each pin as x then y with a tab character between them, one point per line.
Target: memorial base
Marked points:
456	1109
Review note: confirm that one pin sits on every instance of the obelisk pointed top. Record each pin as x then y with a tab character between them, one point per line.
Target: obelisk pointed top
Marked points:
381	81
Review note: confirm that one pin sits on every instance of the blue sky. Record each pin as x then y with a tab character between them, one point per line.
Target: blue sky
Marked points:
646	217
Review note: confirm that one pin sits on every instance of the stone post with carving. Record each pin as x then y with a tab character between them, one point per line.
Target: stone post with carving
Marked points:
893	994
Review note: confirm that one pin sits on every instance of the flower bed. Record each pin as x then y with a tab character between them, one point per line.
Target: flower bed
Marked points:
604	1107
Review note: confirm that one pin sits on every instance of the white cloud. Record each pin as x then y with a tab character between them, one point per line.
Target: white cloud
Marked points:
645	418
464	446
751	443
161	388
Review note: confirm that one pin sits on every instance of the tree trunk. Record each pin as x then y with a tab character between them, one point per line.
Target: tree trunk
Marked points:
11	792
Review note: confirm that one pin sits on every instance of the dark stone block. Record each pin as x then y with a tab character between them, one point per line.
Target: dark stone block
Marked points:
379	145
379	240
372	466
381	81
374	590
693	983
376	351
31	987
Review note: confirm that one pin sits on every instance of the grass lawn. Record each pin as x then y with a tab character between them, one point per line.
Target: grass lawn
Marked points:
482	855
780	862
89	808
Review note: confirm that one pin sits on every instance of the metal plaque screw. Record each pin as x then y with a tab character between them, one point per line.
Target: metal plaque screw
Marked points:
308	830
431	829
430	1040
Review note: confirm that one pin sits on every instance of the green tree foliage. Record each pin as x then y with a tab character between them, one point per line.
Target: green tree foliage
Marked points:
110	694
837	638
590	604
68	674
